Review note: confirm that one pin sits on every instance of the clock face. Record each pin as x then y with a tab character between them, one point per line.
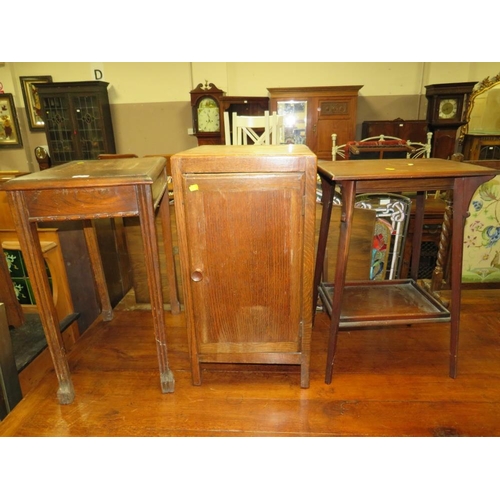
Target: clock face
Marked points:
448	109
208	115
40	153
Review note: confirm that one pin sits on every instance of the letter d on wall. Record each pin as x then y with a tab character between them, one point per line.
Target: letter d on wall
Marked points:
98	74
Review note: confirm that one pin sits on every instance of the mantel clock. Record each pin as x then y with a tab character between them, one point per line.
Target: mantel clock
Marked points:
207	113
447	103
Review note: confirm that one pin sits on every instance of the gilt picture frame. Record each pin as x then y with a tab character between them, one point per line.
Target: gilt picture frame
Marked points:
32	101
10	135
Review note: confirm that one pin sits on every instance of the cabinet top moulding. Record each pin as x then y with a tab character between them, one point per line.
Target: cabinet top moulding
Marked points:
315	91
72	85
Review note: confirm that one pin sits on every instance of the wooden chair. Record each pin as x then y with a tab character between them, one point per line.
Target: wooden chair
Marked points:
52	252
14	311
169	170
10	387
261	130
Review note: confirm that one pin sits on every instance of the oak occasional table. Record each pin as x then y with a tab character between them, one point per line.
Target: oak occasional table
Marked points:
86	190
392	302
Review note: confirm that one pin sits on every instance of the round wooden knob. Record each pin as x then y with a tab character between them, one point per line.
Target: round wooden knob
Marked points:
196	275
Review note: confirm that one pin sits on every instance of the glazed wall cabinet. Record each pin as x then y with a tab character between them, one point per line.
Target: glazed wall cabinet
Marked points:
245	221
481	147
77	120
313	114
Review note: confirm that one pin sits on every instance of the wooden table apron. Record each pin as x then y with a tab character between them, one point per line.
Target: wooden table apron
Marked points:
86	190
362	176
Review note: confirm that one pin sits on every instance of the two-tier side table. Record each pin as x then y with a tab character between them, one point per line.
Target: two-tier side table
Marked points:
392	302
86	190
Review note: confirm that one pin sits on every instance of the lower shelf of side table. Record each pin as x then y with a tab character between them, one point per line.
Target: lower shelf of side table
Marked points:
387	302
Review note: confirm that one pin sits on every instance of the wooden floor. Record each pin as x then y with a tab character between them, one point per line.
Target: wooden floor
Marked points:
387	382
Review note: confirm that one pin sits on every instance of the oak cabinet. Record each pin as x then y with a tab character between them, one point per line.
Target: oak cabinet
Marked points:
313	114
481	147
77	120
245	223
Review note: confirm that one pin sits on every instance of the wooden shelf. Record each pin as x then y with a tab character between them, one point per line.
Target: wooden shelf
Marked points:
390	302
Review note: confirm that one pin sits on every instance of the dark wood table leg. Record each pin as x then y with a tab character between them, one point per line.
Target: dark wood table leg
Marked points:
327	188
33	257
463	190
152	258
98	270
417	235
348	199
175	307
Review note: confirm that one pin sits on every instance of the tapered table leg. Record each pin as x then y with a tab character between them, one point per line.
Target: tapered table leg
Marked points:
98	270
152	257
327	189
348	198
165	215
33	257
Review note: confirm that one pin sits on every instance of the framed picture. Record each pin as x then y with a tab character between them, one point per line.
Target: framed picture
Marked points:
10	137
32	101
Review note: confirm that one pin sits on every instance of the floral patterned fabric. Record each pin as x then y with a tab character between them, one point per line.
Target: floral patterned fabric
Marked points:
481	262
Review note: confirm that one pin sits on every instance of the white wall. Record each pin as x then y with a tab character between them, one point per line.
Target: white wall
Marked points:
137	82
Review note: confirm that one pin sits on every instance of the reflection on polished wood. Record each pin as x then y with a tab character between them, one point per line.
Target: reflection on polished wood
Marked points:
389	382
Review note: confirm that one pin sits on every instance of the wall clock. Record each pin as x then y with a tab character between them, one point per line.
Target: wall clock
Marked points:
206	104
446	107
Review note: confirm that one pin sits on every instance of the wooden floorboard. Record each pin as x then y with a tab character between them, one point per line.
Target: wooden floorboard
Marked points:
387	382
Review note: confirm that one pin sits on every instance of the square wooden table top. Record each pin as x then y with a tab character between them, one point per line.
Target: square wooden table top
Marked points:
95	173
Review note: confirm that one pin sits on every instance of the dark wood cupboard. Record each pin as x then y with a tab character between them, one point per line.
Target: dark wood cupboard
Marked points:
313	114
245	223
413	130
77	120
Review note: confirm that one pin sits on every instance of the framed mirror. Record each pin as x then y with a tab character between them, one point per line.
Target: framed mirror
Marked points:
483	110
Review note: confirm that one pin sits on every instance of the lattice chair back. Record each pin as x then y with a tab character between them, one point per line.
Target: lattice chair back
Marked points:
260	130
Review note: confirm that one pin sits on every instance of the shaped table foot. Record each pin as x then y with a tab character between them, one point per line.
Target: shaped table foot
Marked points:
66	393
167	381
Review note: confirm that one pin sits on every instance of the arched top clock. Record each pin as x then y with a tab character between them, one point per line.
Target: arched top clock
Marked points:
207	113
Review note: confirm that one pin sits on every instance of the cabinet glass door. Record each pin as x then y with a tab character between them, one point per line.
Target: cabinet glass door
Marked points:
59	129
89	126
295	120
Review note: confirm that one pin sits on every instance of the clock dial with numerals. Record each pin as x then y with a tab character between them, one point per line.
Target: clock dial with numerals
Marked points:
208	115
448	109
